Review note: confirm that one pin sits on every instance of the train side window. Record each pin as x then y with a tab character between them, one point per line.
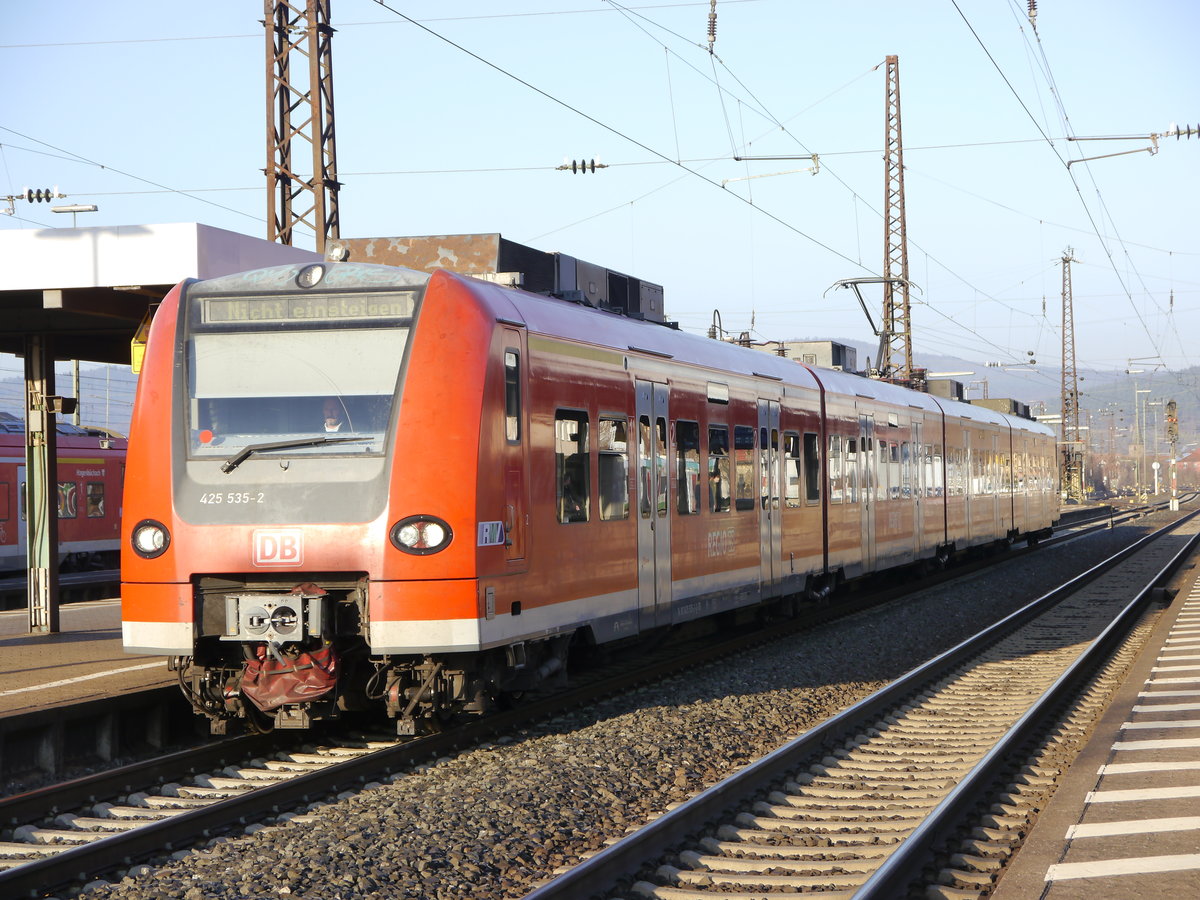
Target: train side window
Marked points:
95	500
812	468
791	469
770	469
883	472
571	465
512	396
894	470
958	472
613	441
660	463
645	454
851	470
718	468
687	467
743	465
836	479
937	472
68	500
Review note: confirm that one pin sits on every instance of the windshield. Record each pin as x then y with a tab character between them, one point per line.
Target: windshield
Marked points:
285	385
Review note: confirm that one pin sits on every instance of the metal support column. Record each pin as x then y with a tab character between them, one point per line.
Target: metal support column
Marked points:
895	348
41	492
300	109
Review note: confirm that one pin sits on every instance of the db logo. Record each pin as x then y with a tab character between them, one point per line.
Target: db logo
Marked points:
279	547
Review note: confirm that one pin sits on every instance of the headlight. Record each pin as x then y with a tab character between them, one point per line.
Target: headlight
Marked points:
150	539
421	535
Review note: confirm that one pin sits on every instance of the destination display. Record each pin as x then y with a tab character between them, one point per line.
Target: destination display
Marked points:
309	307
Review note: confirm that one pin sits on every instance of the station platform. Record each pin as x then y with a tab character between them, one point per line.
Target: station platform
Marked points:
83	661
1125	821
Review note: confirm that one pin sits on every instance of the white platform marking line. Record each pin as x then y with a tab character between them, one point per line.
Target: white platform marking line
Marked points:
1134	826
66	681
1138	865
1144	767
1150	695
1166	744
1167	707
1136	725
1135	794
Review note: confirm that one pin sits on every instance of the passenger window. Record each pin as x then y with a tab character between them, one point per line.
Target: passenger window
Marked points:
68	500
882	471
687	467
512	396
791	469
743	461
660	459
770	469
645	454
812	468
836	485
95	500
718	468
614	468
895	474
572	472
851	470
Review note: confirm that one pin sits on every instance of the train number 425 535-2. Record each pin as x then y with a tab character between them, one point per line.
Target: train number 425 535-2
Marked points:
233	497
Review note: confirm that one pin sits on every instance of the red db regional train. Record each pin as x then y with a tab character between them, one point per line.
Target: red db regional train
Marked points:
91	471
362	486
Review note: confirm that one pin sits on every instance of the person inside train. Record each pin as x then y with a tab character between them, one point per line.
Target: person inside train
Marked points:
334	414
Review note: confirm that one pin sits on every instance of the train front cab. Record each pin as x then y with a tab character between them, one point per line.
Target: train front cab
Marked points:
257	544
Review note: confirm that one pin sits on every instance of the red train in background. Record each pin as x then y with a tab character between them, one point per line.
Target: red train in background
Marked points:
91	476
362	486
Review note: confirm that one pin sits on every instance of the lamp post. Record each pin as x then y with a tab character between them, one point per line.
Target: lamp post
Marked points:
74	209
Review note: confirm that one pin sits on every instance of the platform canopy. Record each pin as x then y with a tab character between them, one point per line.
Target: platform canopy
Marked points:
88	289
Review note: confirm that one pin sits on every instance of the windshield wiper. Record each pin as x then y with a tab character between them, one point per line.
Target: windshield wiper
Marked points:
234	461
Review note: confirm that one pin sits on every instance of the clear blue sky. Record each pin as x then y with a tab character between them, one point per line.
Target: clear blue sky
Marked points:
157	113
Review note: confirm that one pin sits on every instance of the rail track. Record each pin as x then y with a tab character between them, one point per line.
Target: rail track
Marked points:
72	587
69	833
859	806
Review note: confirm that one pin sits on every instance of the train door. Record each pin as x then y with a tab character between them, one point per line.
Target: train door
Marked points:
916	483
654	508
866	485
770	532
515	451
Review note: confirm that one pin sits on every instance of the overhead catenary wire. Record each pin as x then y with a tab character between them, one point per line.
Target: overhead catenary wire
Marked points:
692	172
1066	121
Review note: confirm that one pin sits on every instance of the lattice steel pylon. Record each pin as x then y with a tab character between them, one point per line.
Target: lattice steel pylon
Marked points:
300	106
1072	446
895	362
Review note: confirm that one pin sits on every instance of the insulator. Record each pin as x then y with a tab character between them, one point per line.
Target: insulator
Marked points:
712	25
